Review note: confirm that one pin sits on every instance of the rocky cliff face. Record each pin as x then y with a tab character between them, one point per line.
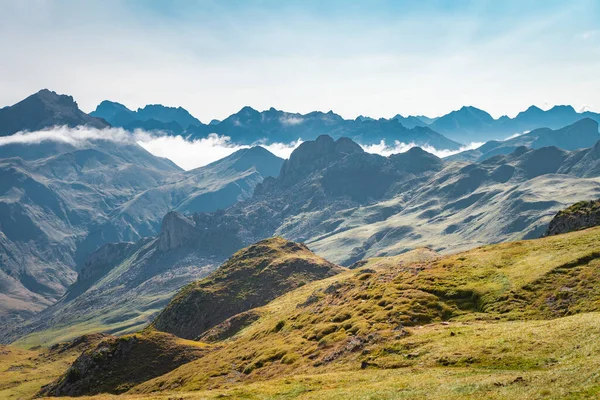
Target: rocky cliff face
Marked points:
176	231
581	215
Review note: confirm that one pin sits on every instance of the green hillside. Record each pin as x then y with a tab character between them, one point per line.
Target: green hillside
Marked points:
512	320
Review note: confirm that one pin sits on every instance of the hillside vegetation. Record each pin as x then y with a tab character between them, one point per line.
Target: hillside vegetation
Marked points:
250	278
512	320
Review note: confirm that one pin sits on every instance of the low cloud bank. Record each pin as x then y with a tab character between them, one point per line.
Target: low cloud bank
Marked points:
399	147
186	152
194	153
189	153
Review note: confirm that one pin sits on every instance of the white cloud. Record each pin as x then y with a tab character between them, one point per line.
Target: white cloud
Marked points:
194	153
516	135
291	120
282	150
191	153
384	149
185	152
78	136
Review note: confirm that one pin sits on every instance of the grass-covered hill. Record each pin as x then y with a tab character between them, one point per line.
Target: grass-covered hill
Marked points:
250	278
512	320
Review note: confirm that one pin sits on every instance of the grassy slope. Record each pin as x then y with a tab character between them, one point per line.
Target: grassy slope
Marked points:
492	322
115	365
24	372
362	318
252	277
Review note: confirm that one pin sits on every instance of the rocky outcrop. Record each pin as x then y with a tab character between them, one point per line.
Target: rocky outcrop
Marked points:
581	215
176	231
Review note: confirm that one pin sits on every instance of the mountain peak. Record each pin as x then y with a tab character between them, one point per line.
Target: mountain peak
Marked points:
44	109
51	98
247	110
315	154
562	109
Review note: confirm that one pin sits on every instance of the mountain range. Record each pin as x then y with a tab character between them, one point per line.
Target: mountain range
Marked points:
250	126
61	201
466	125
346	205
581	134
256	269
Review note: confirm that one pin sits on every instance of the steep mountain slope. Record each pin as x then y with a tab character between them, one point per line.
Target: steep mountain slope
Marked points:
477	317
122	287
59	202
205	189
48	206
42	110
250	278
582	134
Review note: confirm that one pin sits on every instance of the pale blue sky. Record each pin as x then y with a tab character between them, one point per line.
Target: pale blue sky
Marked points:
375	58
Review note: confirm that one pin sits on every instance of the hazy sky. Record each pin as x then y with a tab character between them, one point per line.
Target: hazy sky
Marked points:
376	58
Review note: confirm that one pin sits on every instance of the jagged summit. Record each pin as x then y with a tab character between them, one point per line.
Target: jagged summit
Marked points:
315	154
45	109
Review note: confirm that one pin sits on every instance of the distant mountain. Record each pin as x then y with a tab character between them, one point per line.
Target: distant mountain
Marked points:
59	203
470	124
465	125
45	109
425	119
346	205
582	134
249	126
49	205
410	121
152	117
154	125
209	188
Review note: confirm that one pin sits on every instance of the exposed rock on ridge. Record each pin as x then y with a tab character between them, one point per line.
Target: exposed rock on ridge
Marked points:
581	215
